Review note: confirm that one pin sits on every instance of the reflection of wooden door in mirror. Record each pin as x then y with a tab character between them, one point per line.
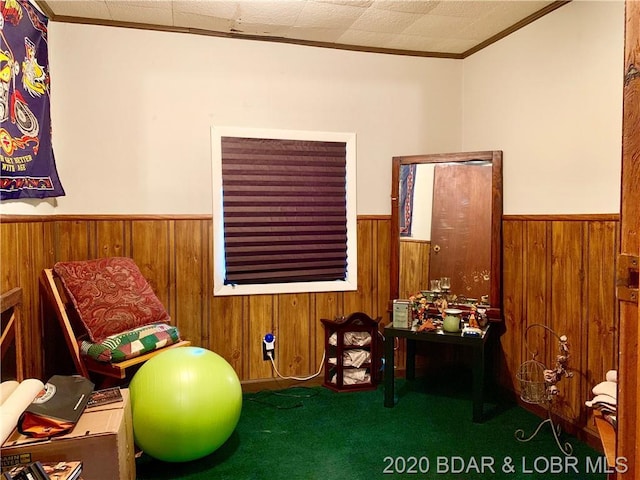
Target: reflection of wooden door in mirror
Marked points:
477	228
461	228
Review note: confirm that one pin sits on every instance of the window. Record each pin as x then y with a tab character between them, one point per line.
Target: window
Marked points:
283	211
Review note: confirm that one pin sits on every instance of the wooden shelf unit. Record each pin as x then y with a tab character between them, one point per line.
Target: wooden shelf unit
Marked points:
354	323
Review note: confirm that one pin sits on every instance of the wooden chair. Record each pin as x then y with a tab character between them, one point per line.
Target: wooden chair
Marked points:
110	373
11	309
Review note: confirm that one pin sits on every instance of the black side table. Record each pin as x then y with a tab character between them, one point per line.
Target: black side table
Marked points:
478	345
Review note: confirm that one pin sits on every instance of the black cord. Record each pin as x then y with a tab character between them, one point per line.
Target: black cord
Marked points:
259	397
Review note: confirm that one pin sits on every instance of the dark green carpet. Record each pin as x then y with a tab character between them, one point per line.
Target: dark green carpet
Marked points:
314	433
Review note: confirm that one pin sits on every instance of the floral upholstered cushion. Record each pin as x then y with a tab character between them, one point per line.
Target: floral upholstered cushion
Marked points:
110	295
131	343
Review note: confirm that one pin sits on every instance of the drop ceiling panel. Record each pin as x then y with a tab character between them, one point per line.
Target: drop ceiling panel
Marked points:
443	27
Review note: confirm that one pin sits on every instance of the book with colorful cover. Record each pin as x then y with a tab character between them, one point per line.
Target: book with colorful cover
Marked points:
104	397
26	471
63	470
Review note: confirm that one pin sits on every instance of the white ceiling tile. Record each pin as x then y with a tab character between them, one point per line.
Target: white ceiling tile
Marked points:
322	15
218	8
282	12
445	26
83	9
407	6
507	15
466	8
374	20
152	13
201	22
437	26
352	3
161	4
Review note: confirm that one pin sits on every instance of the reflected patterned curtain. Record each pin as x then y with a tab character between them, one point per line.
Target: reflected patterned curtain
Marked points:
407	182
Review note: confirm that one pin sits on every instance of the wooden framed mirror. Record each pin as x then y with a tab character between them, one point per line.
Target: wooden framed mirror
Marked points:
451	225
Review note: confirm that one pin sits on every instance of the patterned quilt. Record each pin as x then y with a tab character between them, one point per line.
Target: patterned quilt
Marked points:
132	343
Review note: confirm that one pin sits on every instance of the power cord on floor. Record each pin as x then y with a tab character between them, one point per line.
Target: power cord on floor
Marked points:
261	397
300	379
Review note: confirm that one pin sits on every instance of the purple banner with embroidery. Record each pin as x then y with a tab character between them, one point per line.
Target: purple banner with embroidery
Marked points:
28	167
407	181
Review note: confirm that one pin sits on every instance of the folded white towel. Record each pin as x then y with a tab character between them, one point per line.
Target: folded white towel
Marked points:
612	376
353	358
601	400
606	388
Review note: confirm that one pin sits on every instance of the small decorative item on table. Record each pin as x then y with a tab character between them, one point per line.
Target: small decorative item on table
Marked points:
422	305
419	309
452	319
402	313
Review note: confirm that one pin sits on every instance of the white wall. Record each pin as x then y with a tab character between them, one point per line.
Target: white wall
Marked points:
132	111
550	97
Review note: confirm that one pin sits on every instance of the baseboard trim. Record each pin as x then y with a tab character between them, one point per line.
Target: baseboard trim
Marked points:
253	386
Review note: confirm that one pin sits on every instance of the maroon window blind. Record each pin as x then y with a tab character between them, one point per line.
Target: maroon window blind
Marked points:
284	208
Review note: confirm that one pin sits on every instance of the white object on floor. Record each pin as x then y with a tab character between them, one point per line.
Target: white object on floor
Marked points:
17	403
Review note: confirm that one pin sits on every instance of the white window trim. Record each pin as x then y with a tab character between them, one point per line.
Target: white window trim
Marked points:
351	282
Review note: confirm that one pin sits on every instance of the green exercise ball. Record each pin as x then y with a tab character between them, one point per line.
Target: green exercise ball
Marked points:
185	402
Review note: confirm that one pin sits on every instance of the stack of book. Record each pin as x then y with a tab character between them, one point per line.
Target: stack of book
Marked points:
104	397
44	471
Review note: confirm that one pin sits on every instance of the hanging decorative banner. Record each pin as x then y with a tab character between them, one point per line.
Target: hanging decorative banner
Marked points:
407	183
28	167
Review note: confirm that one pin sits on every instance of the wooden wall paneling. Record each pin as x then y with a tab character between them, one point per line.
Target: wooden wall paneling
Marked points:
10	240
360	300
113	238
292	344
567	312
367	266
33	262
414	267
207	288
262	320
512	352
190	273
315	331
152	248
24	250
556	272
326	305
11	247
381	268
538	294
601	343
74	240
228	335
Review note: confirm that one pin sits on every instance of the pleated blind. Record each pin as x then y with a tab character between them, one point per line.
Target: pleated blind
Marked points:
284	208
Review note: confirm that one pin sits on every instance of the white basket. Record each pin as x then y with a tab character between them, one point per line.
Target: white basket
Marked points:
533	388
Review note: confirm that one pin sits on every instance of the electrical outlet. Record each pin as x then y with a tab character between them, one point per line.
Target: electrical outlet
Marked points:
269	346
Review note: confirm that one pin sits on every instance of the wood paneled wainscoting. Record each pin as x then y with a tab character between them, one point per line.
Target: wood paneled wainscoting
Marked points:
174	254
559	271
